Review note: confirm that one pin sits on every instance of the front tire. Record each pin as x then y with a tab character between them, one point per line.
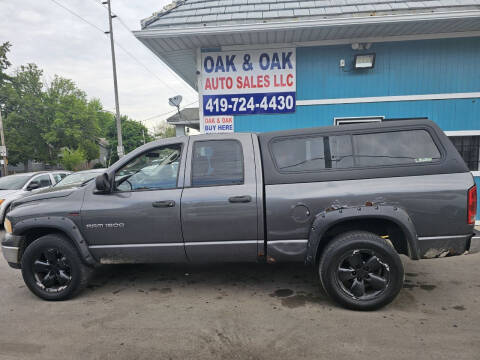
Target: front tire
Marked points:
360	271
52	268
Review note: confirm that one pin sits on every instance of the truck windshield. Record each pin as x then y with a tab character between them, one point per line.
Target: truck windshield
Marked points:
79	178
13	182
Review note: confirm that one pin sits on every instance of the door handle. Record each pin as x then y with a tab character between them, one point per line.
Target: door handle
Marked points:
240	199
163	204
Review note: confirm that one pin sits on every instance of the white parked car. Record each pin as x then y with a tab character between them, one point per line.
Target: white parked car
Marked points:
79	178
13	187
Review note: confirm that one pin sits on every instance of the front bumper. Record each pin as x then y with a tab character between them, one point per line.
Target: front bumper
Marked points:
11	249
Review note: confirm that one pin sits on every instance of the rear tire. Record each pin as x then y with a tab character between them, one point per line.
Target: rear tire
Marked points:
360	271
52	268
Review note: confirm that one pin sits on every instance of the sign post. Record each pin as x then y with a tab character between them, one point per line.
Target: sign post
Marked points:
3	148
245	83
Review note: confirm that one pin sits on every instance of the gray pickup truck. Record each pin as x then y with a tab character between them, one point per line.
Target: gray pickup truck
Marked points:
346	200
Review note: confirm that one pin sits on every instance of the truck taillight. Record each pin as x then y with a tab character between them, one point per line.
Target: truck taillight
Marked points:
472	204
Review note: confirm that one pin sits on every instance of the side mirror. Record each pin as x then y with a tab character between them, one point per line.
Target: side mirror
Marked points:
33	185
102	183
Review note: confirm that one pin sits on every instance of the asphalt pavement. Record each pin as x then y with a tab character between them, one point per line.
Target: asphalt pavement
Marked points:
242	311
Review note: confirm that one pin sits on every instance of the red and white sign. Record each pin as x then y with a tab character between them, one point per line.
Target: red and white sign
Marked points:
246	82
218	124
248	71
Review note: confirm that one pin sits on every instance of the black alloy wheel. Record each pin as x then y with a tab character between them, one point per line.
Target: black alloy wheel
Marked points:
52	270
360	270
362	274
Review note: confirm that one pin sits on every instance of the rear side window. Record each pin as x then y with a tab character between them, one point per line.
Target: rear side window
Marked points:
394	148
316	153
313	153
217	162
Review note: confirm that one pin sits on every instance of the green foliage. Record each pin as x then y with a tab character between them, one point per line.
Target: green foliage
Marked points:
134	134
4	63
72	159
41	119
164	130
4	77
24	116
169	132
72	119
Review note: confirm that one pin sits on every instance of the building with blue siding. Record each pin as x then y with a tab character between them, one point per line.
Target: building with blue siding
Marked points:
426	64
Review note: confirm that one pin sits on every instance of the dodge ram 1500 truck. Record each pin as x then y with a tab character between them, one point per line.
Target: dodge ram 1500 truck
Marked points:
346	200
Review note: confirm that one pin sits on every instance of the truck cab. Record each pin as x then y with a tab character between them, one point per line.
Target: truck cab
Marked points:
202	212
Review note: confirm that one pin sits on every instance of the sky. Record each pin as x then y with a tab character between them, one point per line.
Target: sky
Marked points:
44	33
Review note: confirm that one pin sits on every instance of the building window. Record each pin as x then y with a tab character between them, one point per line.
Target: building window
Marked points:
469	149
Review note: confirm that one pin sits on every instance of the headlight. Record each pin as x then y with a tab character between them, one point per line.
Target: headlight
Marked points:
1	201
7	225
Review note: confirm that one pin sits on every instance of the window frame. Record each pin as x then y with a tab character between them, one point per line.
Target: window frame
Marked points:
114	186
352	133
462	134
211	185
339	121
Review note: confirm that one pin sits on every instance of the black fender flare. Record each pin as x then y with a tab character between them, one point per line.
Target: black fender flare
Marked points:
60	223
326	219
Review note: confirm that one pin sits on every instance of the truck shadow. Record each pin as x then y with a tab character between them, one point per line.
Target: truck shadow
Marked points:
294	284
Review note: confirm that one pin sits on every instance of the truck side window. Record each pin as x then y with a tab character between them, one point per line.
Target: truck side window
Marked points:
155	169
314	153
217	162
395	148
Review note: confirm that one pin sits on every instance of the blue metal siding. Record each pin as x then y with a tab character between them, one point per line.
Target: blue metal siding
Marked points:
457	114
401	68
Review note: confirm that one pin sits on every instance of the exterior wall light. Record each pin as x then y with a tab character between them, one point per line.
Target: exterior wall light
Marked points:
364	61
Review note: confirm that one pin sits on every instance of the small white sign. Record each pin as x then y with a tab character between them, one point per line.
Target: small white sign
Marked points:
120	151
3	150
218	124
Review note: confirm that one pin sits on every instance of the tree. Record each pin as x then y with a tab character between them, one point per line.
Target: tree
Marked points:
72	120
134	134
25	116
4	63
164	130
41	119
5	79
72	159
104	119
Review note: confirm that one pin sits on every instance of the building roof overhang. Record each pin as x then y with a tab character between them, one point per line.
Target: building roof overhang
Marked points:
177	46
187	117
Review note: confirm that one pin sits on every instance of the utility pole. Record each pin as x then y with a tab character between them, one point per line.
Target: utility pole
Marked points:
120	150
3	149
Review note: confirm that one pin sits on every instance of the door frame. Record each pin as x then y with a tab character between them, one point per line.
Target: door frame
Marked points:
253	175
